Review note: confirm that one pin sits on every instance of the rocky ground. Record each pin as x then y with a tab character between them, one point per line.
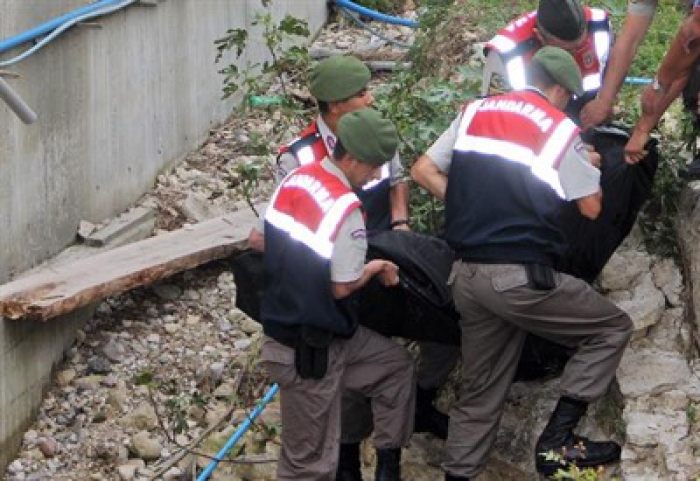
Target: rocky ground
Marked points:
157	368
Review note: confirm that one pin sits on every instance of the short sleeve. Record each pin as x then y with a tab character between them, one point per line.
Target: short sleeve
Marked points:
441	151
578	177
494	80
646	8
348	260
285	164
398	173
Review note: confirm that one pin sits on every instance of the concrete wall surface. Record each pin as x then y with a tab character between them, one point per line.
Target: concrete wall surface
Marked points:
116	104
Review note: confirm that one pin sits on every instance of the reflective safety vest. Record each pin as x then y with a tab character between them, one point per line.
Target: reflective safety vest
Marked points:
503	190
301	226
375	195
517	43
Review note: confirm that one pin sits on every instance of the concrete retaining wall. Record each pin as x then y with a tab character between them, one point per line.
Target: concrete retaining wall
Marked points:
116	104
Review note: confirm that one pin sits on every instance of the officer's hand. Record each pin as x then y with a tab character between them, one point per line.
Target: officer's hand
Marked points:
595	113
389	274
634	150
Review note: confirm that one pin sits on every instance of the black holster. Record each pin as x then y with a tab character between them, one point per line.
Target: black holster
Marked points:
311	352
541	277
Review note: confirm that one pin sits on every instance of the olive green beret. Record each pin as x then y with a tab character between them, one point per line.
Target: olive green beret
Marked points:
560	65
368	137
338	78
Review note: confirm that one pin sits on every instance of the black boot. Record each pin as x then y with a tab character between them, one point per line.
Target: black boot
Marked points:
388	465
452	477
349	463
559	438
427	418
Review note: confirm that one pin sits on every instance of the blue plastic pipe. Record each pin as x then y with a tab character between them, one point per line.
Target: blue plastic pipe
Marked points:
51	25
382	17
239	432
637	81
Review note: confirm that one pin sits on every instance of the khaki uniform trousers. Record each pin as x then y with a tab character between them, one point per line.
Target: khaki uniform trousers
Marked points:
368	363
497	309
435	363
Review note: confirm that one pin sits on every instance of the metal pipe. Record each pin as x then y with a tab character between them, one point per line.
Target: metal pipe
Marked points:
50	25
239	432
15	102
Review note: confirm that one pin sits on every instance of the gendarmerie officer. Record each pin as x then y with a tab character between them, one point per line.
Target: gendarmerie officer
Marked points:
315	244
504	168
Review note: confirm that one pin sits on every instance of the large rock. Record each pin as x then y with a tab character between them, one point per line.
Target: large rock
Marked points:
646	305
669	279
143	417
651	371
146	447
622	270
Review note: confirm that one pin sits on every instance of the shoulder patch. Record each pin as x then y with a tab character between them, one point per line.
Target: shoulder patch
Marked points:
359	234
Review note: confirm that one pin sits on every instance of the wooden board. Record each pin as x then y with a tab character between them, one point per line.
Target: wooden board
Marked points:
48	293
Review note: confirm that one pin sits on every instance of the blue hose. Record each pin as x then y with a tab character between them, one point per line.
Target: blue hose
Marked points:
239	432
59	30
637	81
373	14
47	27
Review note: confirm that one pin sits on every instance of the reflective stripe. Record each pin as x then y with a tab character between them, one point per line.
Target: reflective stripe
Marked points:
305	155
320	241
322	246
543	166
502	43
591	82
384	174
501	148
598	14
602	42
332	219
558	141
515	69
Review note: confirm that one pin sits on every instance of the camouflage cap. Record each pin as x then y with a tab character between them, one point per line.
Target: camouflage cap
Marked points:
560	65
338	78
368	137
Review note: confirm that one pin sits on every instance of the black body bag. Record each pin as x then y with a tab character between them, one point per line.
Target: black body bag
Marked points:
625	189
420	308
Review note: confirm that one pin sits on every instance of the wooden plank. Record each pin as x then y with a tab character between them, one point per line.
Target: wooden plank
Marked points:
45	294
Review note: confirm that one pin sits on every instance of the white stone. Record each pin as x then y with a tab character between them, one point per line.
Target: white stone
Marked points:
651	371
622	270
668	278
647	304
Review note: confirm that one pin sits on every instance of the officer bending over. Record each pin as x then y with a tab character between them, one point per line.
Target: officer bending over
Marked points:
504	168
315	245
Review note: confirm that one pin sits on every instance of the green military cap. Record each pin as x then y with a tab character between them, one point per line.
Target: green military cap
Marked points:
338	78
368	137
560	65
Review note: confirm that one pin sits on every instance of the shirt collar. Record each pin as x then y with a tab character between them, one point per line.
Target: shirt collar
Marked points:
329	138
331	168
